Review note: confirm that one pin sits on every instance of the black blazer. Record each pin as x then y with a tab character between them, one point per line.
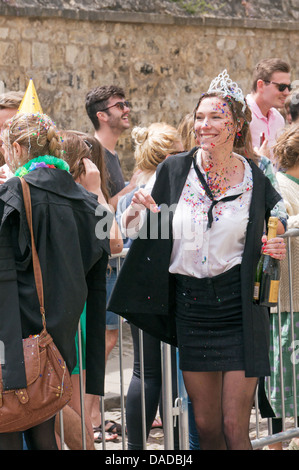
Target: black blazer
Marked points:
144	292
73	262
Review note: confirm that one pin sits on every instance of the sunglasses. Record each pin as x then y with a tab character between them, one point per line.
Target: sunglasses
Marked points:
280	86
89	145
121	105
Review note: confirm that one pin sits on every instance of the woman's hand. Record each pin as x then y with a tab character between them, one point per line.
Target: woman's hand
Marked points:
275	247
90	178
264	149
3	176
143	200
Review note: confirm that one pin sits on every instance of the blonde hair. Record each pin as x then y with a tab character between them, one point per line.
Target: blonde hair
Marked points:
286	149
153	144
36	133
186	131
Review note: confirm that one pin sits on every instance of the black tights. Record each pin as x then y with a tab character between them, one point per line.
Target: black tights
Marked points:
41	437
152	384
222	403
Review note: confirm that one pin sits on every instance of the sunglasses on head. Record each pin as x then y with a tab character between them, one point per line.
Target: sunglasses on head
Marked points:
89	145
121	105
280	86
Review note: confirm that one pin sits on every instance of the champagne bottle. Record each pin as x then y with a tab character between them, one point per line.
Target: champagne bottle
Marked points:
266	286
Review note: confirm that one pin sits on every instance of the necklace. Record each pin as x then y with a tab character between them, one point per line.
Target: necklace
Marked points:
46	161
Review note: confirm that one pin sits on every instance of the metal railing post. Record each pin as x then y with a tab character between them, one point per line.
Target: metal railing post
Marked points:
61	427
167	397
81	387
183	412
102	411
142	384
121	369
293	329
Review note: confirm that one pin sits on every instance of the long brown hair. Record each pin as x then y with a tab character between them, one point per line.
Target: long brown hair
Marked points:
78	145
186	131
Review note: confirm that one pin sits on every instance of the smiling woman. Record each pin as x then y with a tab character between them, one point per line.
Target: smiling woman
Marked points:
215	129
202	299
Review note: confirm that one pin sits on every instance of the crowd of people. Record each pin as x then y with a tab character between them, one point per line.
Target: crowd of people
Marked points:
194	217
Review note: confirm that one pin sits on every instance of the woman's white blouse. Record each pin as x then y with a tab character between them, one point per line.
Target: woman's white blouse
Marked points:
201	252
198	251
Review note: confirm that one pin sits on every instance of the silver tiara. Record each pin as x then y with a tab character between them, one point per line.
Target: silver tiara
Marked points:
224	86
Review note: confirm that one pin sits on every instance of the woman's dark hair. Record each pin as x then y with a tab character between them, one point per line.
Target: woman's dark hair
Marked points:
78	145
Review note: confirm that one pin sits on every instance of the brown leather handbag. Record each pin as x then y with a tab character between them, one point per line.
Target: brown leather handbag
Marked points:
49	385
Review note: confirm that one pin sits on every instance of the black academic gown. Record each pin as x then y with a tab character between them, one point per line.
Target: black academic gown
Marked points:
145	293
73	262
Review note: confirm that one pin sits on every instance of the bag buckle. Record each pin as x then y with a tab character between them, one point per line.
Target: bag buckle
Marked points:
22	395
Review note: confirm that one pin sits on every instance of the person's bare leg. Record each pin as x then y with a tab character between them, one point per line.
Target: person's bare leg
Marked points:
111	340
205	392
92	401
276	446
72	420
237	401
93	407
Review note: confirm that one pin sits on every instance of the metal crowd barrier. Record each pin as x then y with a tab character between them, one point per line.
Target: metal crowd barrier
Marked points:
177	414
293	429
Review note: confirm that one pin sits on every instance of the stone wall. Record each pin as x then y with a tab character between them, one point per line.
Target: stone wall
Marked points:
163	62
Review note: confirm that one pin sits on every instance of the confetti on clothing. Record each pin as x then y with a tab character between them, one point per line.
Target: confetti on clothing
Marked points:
226	237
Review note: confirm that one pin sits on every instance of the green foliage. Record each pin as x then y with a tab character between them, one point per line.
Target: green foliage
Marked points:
194	6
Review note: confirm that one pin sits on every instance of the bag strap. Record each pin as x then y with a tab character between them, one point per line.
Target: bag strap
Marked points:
35	260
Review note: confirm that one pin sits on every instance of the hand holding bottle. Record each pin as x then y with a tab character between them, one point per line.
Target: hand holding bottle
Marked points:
275	247
266	286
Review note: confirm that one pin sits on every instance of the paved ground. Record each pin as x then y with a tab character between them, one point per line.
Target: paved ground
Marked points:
113	391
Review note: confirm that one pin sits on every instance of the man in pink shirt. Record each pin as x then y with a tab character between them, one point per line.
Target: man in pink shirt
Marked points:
270	88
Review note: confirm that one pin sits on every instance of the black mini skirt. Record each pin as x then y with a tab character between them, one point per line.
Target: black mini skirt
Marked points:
209	322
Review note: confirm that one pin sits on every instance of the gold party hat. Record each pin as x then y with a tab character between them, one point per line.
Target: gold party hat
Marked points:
30	103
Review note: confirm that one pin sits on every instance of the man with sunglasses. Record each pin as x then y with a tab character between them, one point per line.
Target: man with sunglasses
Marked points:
109	111
270	88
